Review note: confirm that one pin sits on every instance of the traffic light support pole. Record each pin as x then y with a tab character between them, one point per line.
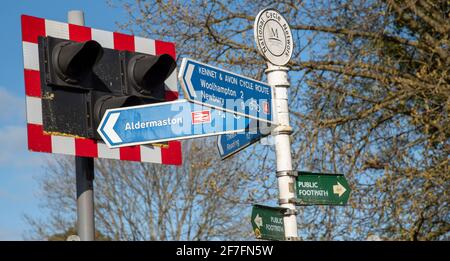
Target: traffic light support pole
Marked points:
84	174
277	77
85	198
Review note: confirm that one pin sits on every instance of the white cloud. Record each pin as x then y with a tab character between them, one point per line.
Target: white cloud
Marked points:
14	150
12	107
13	135
13	140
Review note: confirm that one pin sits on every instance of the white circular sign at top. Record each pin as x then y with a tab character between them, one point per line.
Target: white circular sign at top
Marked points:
273	37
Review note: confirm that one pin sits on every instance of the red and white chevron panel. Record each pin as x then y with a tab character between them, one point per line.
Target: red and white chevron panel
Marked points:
38	140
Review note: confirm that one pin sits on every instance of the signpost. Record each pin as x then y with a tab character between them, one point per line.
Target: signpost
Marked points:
219	102
230	144
267	222
321	189
166	121
273	38
210	86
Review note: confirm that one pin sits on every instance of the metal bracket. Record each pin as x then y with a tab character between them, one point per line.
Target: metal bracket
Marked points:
289	212
282	129
273	68
290	173
287	200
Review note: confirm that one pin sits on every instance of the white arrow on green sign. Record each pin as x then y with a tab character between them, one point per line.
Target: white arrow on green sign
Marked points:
267	222
321	189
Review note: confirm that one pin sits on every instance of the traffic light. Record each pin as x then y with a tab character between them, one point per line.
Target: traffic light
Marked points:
81	80
70	64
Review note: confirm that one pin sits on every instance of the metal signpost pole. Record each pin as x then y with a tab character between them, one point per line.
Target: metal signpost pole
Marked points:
278	78
274	40
84	174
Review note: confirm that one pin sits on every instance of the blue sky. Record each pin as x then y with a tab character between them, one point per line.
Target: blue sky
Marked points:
18	167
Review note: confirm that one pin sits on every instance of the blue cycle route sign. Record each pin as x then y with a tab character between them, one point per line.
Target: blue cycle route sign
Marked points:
166	121
230	144
224	90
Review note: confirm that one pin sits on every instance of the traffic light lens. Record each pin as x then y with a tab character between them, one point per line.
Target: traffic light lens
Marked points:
75	60
112	102
149	72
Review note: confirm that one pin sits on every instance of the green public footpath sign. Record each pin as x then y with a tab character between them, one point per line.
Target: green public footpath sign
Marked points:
321	189
267	222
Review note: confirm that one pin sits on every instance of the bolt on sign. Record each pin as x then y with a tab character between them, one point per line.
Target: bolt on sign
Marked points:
267	222
37	35
321	189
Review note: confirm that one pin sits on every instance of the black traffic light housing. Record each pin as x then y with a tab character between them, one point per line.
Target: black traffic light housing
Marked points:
145	74
81	80
70	64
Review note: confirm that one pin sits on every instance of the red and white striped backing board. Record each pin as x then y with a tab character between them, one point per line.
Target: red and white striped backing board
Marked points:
32	27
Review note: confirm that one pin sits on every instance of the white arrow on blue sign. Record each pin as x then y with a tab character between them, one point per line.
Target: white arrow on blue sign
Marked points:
166	121
224	90
230	144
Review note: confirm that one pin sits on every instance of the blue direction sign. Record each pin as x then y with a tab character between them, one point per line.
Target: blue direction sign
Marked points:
164	122
230	144
220	89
